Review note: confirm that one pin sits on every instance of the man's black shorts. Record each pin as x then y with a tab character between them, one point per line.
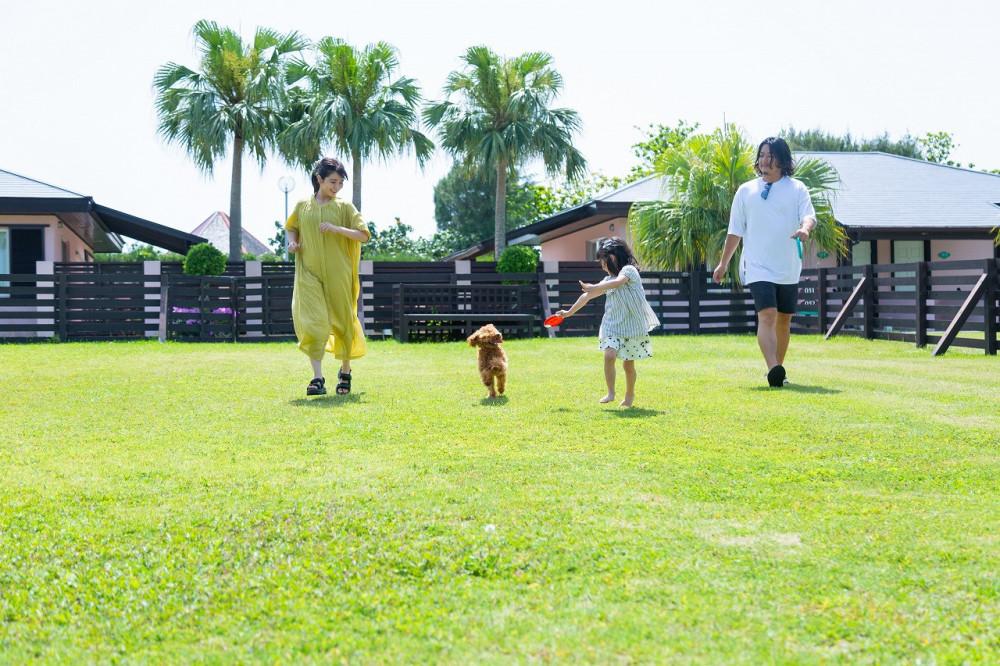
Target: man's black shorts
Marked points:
770	295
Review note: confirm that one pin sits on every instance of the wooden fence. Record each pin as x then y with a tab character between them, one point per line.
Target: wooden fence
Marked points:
942	303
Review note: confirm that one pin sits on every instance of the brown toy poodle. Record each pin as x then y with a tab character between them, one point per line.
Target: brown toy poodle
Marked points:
492	360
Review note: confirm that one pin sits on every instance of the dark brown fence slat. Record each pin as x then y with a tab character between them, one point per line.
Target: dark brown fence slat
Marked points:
859	292
963	314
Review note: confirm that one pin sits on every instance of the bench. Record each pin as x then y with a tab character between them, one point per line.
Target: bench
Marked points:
443	312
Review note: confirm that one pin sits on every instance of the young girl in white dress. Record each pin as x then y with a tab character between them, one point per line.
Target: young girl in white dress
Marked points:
627	316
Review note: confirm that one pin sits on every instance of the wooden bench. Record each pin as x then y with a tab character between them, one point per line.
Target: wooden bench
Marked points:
443	312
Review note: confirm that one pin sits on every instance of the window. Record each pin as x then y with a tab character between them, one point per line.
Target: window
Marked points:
906	252
861	253
592	246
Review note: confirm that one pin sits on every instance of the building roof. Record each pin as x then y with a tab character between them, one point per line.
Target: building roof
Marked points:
878	194
99	226
883	191
215	229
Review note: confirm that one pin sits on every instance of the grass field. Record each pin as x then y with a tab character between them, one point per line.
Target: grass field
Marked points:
172	503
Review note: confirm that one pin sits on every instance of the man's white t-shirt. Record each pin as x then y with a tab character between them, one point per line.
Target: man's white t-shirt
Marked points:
766	226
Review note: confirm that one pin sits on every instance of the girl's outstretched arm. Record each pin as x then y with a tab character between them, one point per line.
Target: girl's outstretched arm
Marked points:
580	302
603	286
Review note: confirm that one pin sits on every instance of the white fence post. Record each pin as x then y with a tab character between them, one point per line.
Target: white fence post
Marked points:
46	268
151	296
367	269
255	329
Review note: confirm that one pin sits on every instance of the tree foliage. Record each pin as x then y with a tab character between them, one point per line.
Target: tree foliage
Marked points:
233	102
659	139
503	119
464	203
138	252
396	243
352	102
819	141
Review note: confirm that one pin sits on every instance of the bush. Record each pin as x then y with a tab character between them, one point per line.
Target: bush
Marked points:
518	259
136	252
204	259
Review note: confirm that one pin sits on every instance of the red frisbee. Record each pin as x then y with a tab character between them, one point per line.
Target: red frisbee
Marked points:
554	320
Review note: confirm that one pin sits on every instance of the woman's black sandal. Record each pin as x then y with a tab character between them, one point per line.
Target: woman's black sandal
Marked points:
344	387
316	387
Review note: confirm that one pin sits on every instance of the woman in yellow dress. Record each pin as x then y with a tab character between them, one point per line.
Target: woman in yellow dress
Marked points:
326	234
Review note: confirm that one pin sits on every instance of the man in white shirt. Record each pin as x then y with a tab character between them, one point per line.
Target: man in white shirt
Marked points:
771	215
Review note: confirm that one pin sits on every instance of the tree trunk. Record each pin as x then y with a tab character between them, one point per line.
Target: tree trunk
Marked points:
356	169
500	212
235	206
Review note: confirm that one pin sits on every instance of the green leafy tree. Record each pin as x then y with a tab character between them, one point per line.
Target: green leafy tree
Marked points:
232	102
277	242
688	229
354	104
464	203
504	119
137	252
572	193
820	141
659	139
937	147
397	244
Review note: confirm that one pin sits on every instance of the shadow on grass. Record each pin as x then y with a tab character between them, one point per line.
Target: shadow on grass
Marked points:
327	401
797	388
634	412
494	402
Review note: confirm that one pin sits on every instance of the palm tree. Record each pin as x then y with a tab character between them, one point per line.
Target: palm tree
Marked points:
503	120
234	100
688	229
352	102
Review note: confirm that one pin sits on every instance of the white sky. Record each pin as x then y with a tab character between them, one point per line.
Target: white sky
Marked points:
76	109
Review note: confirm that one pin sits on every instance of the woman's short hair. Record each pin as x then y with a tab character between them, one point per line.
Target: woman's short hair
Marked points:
781	155
324	168
616	255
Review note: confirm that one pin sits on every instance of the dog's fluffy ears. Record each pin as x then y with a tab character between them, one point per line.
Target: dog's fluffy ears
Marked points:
483	334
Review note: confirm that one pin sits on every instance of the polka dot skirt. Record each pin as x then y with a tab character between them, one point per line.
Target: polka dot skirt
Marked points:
629	349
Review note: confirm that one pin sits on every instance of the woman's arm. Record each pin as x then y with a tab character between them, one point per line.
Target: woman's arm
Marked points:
293	240
353	234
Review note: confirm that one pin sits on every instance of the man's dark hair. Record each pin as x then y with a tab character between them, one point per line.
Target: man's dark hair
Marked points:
781	155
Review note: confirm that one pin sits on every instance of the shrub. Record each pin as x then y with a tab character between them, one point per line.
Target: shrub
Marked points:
518	259
204	259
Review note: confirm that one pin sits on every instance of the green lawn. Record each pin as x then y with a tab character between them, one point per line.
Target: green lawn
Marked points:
184	503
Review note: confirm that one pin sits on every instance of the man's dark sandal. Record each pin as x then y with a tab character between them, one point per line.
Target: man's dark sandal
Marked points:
316	387
344	387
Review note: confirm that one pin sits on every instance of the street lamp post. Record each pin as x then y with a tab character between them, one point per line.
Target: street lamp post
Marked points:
285	184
